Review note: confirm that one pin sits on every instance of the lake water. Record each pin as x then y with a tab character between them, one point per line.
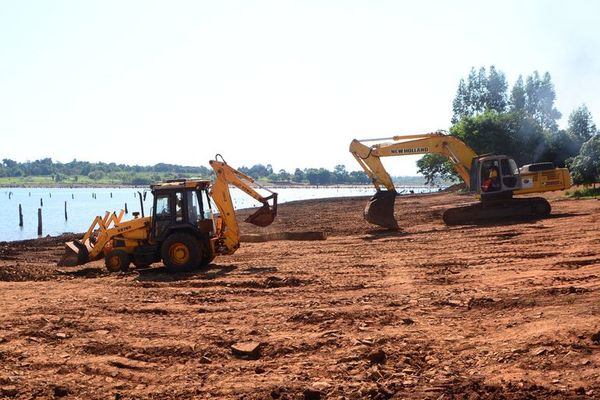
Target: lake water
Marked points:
84	204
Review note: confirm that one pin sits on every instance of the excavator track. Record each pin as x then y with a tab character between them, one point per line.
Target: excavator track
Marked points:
498	210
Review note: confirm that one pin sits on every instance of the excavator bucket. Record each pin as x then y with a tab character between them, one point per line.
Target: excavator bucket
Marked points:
76	253
264	216
380	209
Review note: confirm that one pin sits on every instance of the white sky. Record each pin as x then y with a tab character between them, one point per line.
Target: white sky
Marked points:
286	83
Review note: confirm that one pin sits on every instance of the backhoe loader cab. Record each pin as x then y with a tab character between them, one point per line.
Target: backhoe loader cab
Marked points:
181	205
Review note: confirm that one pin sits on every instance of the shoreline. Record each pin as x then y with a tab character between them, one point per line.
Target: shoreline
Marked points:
268	186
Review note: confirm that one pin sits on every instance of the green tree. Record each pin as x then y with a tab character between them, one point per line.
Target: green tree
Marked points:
436	169
518	96
495	97
560	147
312	175
460	104
482	91
282	176
96	175
359	177
540	97
581	125
513	134
298	175
340	174
585	168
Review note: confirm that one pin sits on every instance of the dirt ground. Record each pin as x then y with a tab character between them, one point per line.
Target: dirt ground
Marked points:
432	312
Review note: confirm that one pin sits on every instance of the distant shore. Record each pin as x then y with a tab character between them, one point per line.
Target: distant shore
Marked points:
399	186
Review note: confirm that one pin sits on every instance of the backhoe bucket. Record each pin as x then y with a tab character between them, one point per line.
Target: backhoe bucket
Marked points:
380	210
76	253
264	216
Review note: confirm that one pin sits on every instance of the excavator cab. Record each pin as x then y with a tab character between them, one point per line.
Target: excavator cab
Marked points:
494	176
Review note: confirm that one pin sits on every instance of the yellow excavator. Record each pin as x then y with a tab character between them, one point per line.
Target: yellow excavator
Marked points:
494	178
182	231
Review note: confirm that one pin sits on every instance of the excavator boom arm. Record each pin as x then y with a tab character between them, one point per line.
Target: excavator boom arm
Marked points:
369	157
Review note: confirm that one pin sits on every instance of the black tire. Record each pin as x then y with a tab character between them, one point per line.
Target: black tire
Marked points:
181	252
117	260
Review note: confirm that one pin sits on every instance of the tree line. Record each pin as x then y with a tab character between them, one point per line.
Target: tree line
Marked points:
75	172
521	122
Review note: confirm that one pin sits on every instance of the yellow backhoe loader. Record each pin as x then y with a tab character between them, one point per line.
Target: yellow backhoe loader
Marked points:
182	231
494	178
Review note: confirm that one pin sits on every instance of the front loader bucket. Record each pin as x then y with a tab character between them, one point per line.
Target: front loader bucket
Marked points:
76	253
264	216
380	209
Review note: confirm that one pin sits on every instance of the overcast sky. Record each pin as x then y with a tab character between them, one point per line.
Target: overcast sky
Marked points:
286	83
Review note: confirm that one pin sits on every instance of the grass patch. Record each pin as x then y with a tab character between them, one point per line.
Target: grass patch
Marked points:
585	192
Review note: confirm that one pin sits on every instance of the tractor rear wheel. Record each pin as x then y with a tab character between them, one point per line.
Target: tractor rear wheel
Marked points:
117	260
181	252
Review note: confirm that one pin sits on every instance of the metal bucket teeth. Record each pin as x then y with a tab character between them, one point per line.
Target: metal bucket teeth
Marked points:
380	210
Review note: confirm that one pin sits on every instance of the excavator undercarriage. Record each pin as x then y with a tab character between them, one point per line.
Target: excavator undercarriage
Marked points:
498	210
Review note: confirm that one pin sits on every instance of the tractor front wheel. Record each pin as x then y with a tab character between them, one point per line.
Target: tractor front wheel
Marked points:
117	260
181	252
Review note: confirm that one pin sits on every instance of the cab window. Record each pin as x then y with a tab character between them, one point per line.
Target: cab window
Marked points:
179	206
193	207
490	176
163	205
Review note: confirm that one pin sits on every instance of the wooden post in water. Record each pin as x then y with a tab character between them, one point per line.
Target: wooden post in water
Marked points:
126	211
66	217
111	195
141	204
72	196
41	202
9	195
39	222
50	195
20	216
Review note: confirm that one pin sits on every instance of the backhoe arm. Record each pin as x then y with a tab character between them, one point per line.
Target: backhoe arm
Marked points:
225	176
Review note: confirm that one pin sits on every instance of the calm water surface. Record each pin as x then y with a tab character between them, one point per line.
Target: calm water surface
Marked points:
83	204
